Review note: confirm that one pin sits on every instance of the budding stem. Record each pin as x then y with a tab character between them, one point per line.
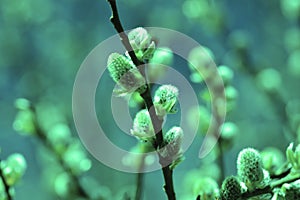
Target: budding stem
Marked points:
157	123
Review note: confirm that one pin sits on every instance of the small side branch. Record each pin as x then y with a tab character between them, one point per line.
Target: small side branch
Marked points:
6	186
269	188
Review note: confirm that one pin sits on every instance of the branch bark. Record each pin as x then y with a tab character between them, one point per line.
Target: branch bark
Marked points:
157	123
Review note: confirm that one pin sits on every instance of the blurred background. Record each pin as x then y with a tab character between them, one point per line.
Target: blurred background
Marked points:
43	43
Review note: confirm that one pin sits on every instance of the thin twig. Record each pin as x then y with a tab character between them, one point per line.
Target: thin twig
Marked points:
221	161
140	180
157	123
6	186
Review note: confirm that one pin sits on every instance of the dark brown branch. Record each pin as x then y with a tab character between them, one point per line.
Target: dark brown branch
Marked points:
115	20
6	186
157	123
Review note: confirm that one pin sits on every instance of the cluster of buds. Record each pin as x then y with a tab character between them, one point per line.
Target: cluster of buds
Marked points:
129	79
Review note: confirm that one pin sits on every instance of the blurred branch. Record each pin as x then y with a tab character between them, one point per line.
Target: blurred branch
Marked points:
140	179
157	123
75	179
6	186
221	161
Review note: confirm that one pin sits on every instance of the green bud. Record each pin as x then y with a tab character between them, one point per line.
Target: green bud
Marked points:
290	9
142	126
249	166
291	190
272	159
136	100
226	73
164	100
14	168
162	56
206	187
228	134
24	122
62	185
293	157
293	63
125	74
172	152
142	44
269	80
22	104
75	158
231	95
59	136
231	188
200	61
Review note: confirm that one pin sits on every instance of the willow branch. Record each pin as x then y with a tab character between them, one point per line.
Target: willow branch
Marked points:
157	123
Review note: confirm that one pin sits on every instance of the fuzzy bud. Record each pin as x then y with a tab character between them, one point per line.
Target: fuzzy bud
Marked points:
249	166
142	126
293	157
231	188
164	100
24	122
13	168
125	74
226	73
142	44
172	152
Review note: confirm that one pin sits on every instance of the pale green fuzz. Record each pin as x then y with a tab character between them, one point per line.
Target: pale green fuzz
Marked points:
293	157
142	44
231	188
125	74
172	152
226	74
13	168
62	185
24	122
164	100
142	126
76	159
249	166
205	186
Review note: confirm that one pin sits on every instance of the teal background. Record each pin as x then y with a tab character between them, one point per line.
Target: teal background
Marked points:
43	43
